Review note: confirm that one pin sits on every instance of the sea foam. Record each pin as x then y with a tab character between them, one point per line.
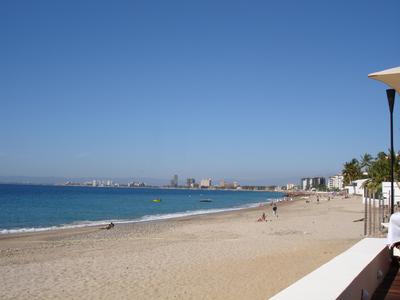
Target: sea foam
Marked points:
146	218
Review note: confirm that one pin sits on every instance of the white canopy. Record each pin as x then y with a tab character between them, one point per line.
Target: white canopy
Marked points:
390	76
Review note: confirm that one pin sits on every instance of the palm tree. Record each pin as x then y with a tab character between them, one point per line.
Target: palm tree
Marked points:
379	171
351	171
366	161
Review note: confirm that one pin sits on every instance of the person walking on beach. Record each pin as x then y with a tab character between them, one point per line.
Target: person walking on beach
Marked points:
275	210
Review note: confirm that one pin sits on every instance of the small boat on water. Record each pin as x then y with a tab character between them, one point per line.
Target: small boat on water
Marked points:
205	200
157	200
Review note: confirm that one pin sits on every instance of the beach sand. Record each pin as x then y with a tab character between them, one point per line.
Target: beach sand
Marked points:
217	256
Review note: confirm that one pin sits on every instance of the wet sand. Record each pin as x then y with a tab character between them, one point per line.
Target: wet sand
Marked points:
218	256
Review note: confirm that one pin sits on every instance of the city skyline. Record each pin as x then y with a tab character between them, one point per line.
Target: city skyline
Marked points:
173	181
258	92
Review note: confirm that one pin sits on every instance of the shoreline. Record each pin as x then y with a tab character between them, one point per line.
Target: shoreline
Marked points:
227	255
146	218
68	229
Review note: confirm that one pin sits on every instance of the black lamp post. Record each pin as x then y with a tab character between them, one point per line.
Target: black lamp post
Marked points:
390	95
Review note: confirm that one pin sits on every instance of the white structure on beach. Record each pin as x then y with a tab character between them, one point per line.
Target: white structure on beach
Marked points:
386	188
356	187
335	182
205	183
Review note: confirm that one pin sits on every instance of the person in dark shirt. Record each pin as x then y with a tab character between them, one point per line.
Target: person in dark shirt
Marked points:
275	210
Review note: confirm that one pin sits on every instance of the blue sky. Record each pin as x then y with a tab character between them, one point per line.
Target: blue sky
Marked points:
259	91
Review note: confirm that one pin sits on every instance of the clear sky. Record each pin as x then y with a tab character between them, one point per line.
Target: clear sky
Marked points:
262	91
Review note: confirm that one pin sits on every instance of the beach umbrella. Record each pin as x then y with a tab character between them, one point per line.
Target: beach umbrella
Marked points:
390	76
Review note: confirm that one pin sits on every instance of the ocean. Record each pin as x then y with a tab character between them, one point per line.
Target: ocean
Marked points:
27	208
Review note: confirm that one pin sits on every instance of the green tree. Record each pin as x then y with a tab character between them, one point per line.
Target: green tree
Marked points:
366	162
379	171
351	171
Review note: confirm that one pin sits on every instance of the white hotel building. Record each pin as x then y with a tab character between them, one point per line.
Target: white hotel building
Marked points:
335	182
206	183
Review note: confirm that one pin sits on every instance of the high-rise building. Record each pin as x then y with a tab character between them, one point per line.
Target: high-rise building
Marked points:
190	182
174	181
290	186
205	183
335	182
309	183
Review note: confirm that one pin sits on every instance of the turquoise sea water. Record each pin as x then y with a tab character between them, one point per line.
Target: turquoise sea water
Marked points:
26	208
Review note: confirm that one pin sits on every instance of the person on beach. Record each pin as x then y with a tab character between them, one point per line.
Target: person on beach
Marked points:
262	218
317	199
275	210
109	226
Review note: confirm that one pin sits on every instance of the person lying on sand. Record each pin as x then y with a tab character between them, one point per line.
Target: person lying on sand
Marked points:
109	226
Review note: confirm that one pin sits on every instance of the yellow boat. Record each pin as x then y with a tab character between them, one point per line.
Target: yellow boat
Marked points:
157	200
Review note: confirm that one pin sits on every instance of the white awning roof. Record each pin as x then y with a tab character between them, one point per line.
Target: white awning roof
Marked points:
390	76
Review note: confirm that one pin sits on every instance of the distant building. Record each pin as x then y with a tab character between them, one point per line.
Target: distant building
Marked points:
136	184
335	182
222	184
229	185
309	183
94	183
174	181
190	182
290	186
206	183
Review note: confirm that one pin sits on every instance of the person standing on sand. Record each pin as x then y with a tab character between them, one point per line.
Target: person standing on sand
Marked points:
275	210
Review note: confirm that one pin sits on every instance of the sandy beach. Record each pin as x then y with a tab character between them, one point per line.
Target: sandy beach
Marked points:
218	256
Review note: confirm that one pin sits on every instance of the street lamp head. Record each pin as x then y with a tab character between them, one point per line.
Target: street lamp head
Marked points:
390	95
